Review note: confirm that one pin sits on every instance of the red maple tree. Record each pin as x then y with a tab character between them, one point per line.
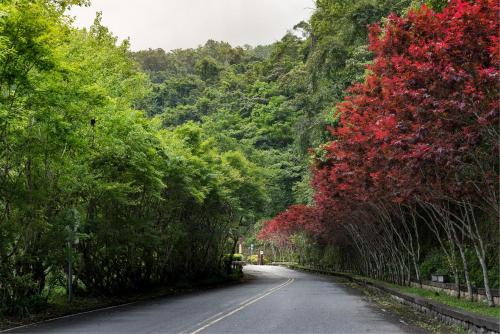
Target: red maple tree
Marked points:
297	218
424	122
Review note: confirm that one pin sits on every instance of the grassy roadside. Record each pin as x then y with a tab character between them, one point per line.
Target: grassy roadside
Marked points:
476	307
58	306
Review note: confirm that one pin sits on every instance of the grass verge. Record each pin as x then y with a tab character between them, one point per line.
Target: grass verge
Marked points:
480	307
476	307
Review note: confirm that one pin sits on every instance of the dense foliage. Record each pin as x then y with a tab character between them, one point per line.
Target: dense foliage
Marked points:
85	174
146	168
415	154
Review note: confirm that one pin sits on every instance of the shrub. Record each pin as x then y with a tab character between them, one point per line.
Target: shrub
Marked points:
254	259
236	257
20	295
433	263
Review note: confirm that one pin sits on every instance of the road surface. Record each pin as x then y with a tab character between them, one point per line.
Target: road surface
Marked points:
275	300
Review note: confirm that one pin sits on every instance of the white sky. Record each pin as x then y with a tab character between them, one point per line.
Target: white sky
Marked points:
173	24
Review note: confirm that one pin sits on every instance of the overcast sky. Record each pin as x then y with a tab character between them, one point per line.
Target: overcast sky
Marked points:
173	24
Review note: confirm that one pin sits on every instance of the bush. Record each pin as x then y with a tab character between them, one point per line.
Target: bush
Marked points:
20	295
228	259
255	258
236	257
433	263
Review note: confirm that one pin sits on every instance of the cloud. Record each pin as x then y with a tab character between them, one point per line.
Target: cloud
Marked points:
173	24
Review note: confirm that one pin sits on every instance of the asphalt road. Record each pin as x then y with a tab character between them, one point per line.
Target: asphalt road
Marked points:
275	300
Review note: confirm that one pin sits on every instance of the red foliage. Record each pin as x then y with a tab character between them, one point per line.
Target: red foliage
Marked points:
423	112
425	115
298	218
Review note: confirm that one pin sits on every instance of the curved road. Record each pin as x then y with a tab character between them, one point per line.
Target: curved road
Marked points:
276	300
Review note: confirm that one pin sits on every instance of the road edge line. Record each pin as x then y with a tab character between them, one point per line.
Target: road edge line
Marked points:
67	316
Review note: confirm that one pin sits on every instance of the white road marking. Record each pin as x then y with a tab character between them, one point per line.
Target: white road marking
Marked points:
214	316
204	321
67	316
243	305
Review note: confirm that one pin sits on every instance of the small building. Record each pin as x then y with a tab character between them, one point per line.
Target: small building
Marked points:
440	278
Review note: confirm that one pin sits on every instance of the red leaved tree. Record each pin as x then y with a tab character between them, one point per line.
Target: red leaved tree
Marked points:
297	218
423	127
424	123
426	117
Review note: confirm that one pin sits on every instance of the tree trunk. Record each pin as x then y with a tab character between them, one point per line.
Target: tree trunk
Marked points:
457	281
477	241
486	281
465	264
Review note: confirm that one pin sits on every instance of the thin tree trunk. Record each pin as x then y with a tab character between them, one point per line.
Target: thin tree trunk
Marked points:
477	241
439	215
461	249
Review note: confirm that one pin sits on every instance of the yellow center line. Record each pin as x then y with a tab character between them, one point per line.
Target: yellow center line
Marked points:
244	304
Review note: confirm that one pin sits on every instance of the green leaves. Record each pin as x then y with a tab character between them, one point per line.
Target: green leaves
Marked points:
77	157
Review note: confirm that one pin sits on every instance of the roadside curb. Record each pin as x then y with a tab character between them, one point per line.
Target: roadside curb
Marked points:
473	322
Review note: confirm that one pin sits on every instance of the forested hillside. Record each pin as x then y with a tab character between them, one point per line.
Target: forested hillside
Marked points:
273	102
144	168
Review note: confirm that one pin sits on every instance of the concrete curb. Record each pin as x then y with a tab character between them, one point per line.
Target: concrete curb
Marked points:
473	322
